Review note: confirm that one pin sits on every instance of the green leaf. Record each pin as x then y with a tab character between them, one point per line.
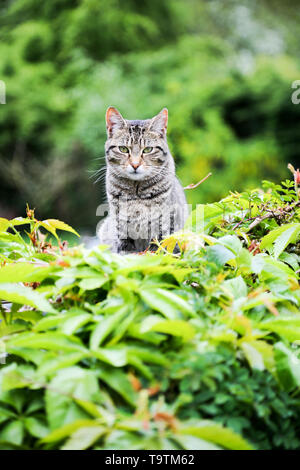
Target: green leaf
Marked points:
17	377
51	364
146	354
282	236
194	443
290	258
243	260
84	437
13	432
31	355
5	414
4	224
231	242
81	272
15	398
150	337
49	322
287	366
49	340
118	381
253	356
267	267
36	427
31	316
265	359
219	254
288	236
123	440
106	326
19	221
93	283
172	327
236	287
124	326
286	326
92	409
53	224
115	357
73	322
68	384
214	432
26	296
166	302
23	272
6	330
67	430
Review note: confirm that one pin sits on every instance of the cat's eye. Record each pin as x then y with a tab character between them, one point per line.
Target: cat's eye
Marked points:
123	149
147	149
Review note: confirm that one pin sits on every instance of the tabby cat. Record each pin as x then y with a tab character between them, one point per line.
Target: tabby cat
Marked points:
146	200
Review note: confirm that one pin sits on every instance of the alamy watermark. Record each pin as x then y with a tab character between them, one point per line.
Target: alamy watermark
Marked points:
296	94
143	224
2	92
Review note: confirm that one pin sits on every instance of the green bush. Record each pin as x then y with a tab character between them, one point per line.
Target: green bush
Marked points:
65	63
155	351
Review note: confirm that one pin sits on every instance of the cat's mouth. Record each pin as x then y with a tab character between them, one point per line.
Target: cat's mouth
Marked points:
136	174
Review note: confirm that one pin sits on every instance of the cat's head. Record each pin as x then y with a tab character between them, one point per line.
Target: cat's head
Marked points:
136	150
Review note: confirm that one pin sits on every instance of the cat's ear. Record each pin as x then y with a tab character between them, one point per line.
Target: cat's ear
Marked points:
160	122
114	120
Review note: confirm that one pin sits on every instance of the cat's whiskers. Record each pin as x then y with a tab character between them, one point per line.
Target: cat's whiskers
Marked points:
99	174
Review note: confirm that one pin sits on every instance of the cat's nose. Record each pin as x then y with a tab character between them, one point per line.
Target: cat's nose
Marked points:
135	165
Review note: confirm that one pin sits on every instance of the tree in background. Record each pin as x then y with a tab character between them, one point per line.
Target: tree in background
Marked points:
224	70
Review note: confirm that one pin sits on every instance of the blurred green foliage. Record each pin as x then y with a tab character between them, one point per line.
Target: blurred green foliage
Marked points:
224	70
155	351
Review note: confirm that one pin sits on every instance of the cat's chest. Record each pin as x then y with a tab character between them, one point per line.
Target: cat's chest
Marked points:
138	210
139	219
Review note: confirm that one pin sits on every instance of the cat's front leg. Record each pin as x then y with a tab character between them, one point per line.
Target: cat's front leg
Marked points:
126	246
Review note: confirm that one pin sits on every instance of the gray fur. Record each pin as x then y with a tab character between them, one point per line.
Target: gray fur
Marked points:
146	200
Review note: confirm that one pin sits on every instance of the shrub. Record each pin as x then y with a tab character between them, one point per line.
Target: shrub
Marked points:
155	351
